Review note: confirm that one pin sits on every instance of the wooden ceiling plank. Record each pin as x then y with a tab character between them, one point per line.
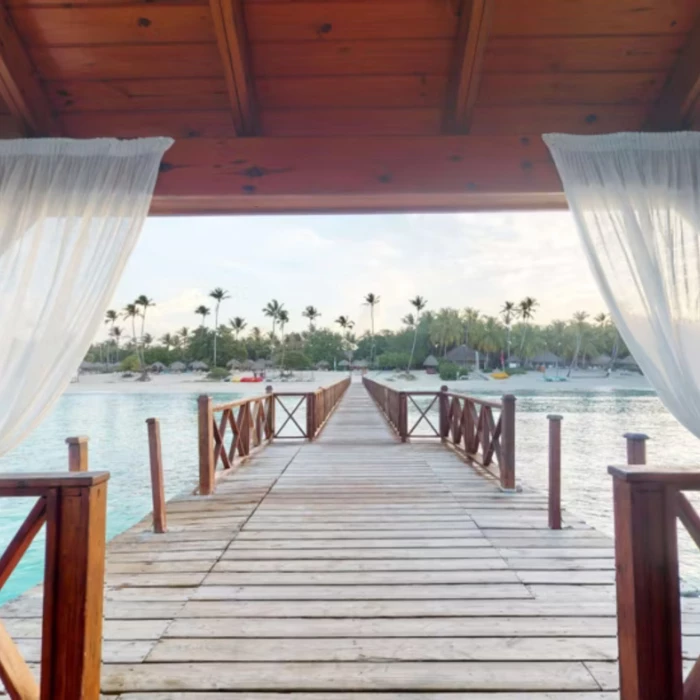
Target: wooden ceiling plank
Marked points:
673	110
475	23
20	87
259	173
231	35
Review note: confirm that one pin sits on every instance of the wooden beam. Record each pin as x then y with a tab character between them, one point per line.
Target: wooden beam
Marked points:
356	174
19	85
231	36
673	109
474	26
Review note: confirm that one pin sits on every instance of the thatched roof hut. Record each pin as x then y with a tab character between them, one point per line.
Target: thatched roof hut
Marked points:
322	365
259	365
178	366
344	363
462	355
545	358
360	364
234	364
601	361
158	367
628	363
431	361
199	366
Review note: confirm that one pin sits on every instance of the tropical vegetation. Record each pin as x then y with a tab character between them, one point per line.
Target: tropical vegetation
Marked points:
512	337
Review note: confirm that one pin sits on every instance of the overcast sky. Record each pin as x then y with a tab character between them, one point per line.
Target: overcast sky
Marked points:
456	260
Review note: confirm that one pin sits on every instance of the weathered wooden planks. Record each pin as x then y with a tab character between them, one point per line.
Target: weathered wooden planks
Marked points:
357	566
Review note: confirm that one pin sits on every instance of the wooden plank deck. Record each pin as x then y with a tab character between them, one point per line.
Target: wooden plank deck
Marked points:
356	565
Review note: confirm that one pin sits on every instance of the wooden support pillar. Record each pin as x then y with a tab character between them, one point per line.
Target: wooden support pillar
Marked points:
507	443
206	446
554	471
157	484
71	647
271	422
402	427
444	400
648	590
636	448
310	416
77	453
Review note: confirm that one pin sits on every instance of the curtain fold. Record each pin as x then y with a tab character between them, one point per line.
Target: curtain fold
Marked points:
70	215
636	202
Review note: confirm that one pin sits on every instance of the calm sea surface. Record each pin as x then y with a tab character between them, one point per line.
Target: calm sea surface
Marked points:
592	439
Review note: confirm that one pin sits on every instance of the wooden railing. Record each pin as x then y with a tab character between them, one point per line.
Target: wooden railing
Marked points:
647	505
73	507
231	432
483	432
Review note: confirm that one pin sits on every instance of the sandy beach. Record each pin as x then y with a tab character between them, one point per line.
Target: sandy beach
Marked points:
188	383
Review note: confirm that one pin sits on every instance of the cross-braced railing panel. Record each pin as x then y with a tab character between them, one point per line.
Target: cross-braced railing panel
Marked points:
482	431
73	509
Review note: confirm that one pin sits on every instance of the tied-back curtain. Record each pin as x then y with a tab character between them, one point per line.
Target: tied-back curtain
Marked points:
70	215
636	202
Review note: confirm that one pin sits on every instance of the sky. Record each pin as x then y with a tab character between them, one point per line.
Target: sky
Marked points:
332	262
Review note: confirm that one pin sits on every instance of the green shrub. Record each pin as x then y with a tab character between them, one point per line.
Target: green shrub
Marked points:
294	359
450	371
393	360
130	364
218	373
510	371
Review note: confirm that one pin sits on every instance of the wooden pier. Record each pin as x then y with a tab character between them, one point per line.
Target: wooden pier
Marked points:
355	564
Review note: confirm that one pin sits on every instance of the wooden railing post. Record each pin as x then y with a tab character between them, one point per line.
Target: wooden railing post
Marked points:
310	416
507	468
157	485
648	590
554	471
444	407
71	648
636	448
77	453
402	427
206	446
271	414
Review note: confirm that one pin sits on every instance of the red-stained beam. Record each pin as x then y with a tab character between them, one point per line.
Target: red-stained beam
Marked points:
231	36
19	84
474	25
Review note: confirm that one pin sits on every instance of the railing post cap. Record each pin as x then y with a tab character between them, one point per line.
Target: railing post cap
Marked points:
269	389
444	387
150	421
508	397
554	416
204	397
639	437
78	440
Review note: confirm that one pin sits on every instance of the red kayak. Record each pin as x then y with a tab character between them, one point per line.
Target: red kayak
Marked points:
251	380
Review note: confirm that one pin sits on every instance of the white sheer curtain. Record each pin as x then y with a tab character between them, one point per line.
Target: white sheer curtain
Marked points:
636	201
70	215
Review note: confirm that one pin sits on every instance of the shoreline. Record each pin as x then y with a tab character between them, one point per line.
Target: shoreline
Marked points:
582	381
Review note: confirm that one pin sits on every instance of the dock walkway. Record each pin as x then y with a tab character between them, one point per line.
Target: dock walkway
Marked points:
354	564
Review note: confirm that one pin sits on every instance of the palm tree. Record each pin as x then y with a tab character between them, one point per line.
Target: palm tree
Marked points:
272	310
418	303
167	341
218	295
508	313
184	335
446	329
492	337
202	311
312	313
526	311
237	324
579	323
111	317
147	340
116	333
345	323
131	311
283	318
471	319
371	300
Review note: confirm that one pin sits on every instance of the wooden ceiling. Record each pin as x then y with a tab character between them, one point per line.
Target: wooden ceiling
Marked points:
349	105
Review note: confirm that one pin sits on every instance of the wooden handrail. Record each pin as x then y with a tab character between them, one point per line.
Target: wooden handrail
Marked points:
230	432
647	504
73	506
464	423
554	494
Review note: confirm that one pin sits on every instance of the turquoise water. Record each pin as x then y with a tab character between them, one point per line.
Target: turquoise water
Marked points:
591	440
